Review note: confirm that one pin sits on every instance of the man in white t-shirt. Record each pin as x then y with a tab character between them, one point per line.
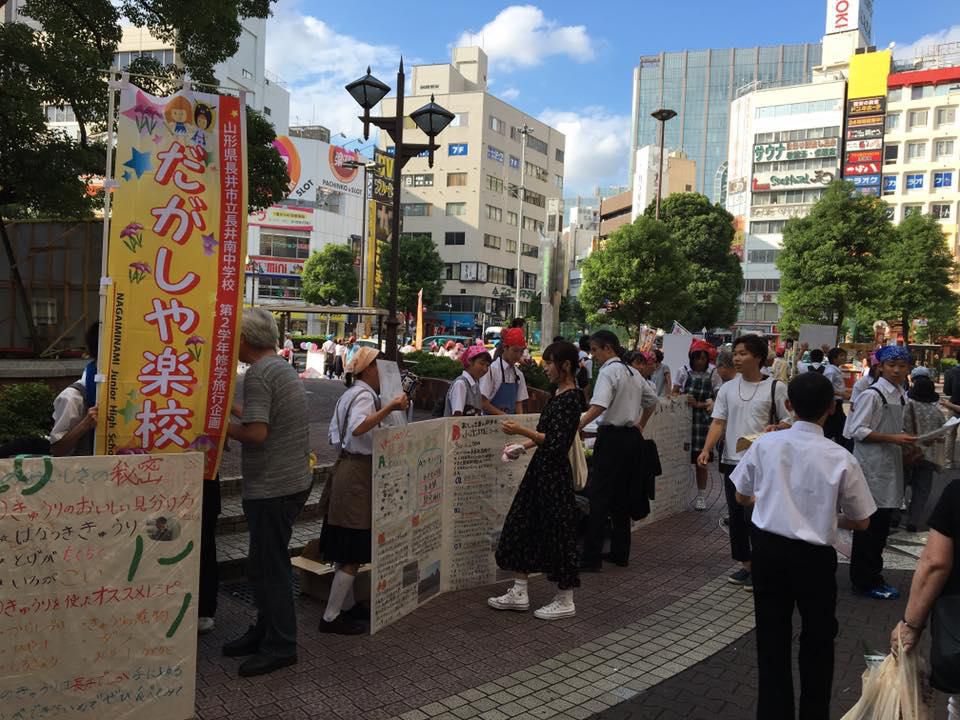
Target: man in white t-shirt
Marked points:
329	349
745	406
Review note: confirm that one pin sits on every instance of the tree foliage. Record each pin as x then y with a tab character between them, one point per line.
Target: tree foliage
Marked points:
329	277
830	258
638	276
420	267
915	274
63	64
704	231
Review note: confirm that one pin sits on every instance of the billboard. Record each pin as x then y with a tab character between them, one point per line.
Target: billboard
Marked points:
786	180
847	15
864	122
796	150
314	166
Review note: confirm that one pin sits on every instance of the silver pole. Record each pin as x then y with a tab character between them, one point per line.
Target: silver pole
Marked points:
524	131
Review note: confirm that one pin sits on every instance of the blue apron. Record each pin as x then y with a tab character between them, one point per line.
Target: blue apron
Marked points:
506	396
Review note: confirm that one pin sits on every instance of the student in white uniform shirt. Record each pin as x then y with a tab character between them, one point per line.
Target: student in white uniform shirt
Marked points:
795	480
463	397
876	426
744	406
832	372
626	401
504	388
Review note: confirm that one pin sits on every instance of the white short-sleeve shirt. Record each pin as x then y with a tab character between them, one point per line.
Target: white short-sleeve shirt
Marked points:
68	410
357	404
623	393
491	382
458	392
745	407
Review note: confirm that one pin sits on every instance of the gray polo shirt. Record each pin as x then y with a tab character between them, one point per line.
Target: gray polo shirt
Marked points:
273	393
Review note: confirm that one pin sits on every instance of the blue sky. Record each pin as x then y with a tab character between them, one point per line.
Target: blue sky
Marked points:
567	63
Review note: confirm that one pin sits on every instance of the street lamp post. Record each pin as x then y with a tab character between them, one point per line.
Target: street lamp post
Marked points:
662	116
523	130
431	119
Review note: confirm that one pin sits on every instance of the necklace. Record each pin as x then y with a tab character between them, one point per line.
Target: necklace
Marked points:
740	389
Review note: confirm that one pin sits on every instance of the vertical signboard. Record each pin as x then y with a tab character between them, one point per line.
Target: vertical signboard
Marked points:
380	210
864	120
174	262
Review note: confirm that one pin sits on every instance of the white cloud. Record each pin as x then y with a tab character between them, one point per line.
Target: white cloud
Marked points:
511	93
597	148
316	62
908	51
520	36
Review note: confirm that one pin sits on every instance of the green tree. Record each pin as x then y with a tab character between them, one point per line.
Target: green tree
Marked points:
916	272
704	231
571	311
830	259
638	276
420	267
328	276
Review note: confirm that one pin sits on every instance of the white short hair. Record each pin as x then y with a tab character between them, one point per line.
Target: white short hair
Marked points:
259	328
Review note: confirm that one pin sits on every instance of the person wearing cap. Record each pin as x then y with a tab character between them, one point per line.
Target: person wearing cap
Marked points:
922	415
274	436
876	426
463	396
621	403
346	502
504	388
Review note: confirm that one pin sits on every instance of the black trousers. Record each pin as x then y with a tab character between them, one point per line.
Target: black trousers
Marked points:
739	518
268	568
833	428
866	558
614	458
209	571
786	574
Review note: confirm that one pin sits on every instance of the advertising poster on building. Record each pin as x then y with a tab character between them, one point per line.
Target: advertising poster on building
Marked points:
316	167
99	565
379	225
440	495
866	108
174	263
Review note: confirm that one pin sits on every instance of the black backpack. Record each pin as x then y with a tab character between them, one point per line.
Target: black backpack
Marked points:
583	378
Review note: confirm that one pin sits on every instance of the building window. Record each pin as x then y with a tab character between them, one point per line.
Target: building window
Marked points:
913	181
62	113
916	151
558	181
457	179
454	238
942	180
558	155
267	111
419	180
909	210
511	245
491	241
767	227
534	198
946	116
279	288
494	213
247	74
530	223
456	208
891	154
916	119
453	270
494	183
511	218
535	143
529	280
534	170
498	125
943	149
941	211
285	246
762	285
894	94
919	92
44	311
460	120
892	121
767	257
415	209
889	184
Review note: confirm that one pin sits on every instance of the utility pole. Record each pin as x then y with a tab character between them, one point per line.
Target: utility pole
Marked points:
524	130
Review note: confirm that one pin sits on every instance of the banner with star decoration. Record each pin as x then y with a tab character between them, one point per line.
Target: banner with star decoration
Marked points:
174	262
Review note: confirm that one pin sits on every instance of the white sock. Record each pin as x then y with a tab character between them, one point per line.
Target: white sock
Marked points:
520	586
565	597
341	585
349	601
700	492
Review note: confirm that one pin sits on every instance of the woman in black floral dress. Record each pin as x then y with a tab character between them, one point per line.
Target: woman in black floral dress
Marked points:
540	531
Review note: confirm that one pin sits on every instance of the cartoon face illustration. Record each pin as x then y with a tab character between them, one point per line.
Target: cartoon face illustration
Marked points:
178	112
203	116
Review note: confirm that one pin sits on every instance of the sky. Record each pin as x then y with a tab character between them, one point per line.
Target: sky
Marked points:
569	64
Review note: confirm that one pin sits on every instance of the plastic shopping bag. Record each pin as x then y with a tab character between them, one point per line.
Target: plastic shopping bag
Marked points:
896	689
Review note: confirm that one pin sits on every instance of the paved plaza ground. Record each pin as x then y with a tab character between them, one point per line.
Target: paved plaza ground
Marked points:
667	637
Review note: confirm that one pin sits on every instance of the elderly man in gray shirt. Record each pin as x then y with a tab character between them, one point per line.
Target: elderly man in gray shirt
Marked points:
275	460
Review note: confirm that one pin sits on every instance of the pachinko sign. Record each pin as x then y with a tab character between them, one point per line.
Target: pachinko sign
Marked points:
175	269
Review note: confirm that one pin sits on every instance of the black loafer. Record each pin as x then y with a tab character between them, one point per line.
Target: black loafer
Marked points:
358	613
341	626
263	664
615	560
247	644
590	566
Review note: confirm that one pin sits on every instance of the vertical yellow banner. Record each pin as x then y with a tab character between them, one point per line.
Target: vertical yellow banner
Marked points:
175	259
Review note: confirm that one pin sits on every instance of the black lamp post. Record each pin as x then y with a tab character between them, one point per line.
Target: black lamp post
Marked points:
431	119
662	116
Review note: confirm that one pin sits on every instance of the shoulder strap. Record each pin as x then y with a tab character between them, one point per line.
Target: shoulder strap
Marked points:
346	414
774	410
878	391
629	369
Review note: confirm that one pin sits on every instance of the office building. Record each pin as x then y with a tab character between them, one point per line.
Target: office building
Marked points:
579	239
467	201
700	85
679	175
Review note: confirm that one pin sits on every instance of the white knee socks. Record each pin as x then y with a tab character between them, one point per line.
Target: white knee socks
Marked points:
341	586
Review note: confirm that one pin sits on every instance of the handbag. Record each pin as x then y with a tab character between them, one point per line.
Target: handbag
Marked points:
945	644
578	463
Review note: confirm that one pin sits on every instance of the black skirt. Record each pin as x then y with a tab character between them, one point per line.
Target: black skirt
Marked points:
347	546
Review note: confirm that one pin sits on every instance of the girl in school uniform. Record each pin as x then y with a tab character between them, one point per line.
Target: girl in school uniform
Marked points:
463	397
347	498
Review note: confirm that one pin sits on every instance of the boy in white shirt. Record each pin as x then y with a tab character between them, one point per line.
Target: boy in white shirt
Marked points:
795	480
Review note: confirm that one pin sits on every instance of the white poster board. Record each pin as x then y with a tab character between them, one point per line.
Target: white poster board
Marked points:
440	496
391	385
818	335
676	353
99	570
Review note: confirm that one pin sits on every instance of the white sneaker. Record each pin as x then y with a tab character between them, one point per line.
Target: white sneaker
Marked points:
513	599
205	625
700	504
555	611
